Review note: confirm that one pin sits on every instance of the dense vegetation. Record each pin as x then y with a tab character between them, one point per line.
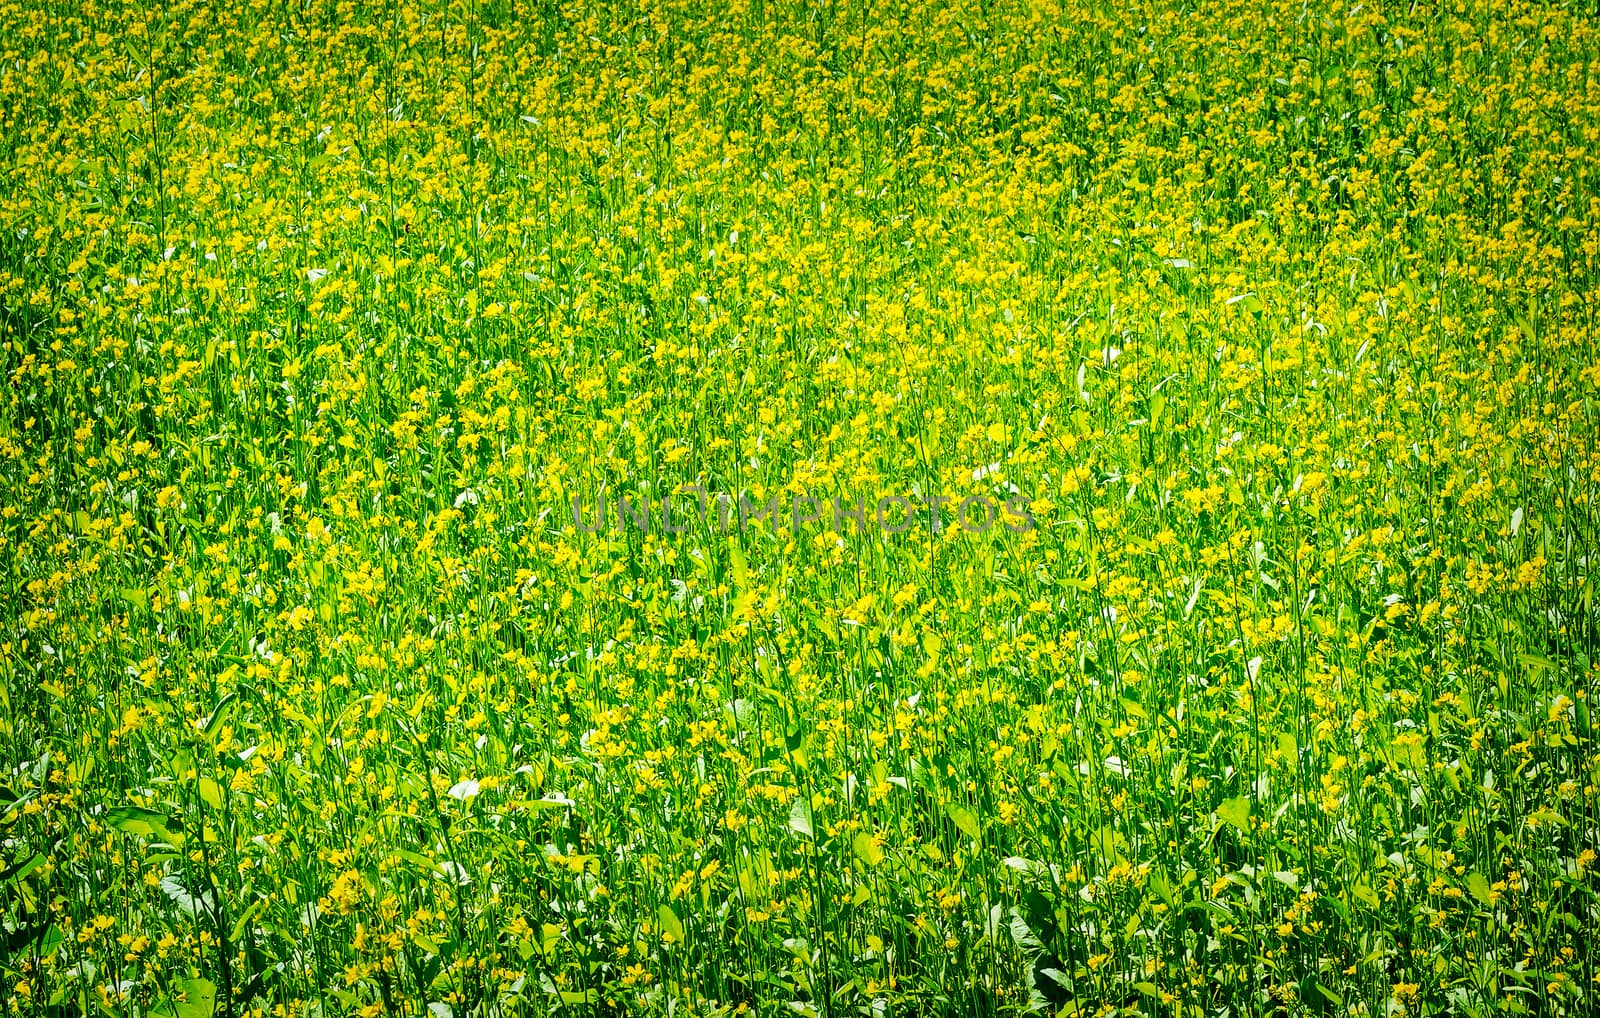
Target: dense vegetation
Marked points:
317	317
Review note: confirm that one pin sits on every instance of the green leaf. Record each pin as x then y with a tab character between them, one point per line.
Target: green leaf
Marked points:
796	741
80	769
866	849
241	924
184	898
15	873
1525	327
199	1000
146	823
1236	811
1108	843
1479	886
219	714
211	792
1365	894
800	818
1248	302
745	713
418	860
1162	887
965	819
755	876
671	925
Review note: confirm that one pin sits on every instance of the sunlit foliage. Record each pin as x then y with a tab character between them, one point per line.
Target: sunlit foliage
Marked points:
314	700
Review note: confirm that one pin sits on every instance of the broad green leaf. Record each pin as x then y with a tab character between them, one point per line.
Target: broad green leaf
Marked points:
194	904
866	849
199	998
1479	887
137	820
211	792
21	870
671	925
1162	887
964	819
1236	811
1365	894
1108	843
800	818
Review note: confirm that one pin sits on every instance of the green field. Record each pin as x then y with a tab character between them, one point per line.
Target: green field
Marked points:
1264	334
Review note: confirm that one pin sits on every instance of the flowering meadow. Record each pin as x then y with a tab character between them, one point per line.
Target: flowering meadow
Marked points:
1263	336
